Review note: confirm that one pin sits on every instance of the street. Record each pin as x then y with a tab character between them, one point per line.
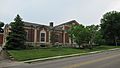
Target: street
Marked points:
109	59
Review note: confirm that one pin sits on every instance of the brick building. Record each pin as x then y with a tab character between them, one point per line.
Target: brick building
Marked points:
38	34
1	39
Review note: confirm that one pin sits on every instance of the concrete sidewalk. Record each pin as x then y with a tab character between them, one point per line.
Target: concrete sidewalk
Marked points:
6	62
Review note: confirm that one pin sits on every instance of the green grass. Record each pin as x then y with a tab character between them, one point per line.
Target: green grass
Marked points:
22	55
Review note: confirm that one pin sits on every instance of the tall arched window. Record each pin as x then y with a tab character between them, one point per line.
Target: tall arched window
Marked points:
43	36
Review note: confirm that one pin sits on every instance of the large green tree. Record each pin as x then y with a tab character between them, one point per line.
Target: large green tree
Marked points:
110	27
80	34
86	36
17	36
95	34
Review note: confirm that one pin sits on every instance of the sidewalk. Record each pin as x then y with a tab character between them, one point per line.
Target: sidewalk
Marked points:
5	62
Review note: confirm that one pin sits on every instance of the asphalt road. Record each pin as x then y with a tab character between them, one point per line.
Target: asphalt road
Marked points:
109	59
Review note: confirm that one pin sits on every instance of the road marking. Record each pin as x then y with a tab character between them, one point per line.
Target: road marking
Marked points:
89	62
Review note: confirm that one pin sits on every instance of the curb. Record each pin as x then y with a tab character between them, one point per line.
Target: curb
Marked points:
64	56
51	58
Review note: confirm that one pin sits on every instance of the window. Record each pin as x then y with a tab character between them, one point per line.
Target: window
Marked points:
56	38
42	37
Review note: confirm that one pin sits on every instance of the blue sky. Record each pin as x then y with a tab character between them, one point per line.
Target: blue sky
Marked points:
86	12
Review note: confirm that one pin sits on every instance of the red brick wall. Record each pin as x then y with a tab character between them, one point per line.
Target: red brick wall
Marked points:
66	27
1	38
47	36
60	37
38	35
30	35
66	38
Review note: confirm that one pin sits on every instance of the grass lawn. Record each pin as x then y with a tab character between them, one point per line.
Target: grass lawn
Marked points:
22	55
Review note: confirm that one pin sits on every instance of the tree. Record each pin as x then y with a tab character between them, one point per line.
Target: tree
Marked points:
86	36
1	25
80	34
99	38
95	34
110	27
53	36
17	36
71	33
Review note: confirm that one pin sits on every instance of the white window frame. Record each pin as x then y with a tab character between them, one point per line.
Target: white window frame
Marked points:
43	31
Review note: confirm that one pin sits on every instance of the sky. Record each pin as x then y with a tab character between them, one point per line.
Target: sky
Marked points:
86	12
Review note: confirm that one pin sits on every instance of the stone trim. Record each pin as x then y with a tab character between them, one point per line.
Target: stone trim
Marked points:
43	31
35	35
